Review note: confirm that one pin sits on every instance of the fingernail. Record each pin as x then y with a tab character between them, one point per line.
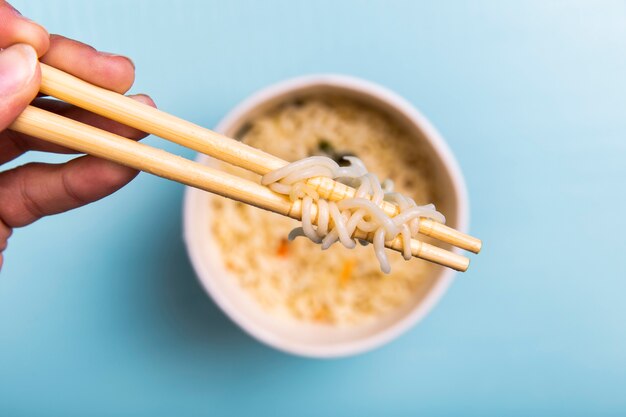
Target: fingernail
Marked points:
118	56
18	65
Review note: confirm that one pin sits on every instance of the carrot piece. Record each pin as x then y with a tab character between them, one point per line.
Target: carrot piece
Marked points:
283	248
346	272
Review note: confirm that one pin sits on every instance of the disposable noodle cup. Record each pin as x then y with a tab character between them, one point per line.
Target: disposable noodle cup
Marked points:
304	338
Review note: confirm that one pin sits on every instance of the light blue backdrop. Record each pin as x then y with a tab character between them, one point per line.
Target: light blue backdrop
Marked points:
100	312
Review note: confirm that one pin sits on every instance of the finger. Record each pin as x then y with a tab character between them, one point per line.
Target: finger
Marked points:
13	144
5	234
19	81
35	190
113	72
14	28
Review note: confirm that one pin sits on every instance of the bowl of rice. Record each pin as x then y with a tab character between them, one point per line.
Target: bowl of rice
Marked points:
292	295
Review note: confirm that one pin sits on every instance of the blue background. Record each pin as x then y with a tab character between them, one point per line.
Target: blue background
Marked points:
100	312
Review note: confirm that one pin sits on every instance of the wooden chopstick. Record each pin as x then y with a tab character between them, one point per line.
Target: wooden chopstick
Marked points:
88	139
122	109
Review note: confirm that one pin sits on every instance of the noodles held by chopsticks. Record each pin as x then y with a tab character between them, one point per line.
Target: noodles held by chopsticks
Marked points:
359	212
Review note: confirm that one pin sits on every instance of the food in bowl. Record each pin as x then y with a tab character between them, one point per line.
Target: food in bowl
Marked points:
295	279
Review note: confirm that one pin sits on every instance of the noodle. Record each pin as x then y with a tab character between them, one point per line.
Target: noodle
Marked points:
349	214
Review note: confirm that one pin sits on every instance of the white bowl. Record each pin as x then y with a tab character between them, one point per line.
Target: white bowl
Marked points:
310	339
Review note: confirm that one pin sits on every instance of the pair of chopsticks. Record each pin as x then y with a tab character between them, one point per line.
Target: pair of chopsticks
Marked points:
88	139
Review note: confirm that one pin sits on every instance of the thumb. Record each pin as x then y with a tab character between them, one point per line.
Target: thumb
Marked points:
19	81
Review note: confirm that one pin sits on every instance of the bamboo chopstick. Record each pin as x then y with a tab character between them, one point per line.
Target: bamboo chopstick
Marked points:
88	139
122	109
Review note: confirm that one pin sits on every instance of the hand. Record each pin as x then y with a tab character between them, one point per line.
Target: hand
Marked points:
34	190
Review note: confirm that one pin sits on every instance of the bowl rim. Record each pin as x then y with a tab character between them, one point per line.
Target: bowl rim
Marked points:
442	282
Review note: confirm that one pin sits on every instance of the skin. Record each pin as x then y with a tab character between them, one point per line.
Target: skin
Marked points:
32	191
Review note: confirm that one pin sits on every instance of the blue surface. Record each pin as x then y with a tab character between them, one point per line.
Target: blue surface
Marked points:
100	312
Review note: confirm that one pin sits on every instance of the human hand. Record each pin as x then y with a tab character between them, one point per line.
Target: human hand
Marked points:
35	190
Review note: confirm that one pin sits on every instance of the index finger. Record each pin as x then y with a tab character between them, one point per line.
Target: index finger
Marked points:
113	72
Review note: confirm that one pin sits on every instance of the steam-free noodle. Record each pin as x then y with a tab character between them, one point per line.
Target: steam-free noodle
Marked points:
350	214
